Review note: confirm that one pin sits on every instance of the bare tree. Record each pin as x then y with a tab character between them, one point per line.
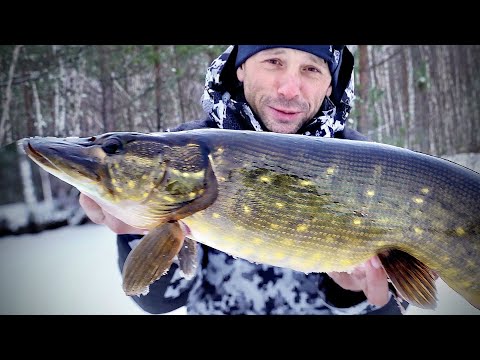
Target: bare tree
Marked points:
363	123
106	82
8	94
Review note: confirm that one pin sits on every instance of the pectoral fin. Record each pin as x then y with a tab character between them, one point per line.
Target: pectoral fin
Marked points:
413	280
187	258
151	258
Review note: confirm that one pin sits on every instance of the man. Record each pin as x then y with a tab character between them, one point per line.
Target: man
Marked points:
295	89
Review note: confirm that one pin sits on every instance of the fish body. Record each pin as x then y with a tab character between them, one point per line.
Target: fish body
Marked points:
306	203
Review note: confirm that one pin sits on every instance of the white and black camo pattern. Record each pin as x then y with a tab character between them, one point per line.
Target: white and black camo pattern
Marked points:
227	285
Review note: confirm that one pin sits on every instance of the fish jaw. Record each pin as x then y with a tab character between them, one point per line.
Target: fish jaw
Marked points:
69	159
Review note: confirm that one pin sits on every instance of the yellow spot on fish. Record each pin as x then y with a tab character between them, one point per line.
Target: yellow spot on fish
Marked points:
192	195
168	198
274	226
316	257
418	200
425	190
346	262
116	166
257	241
330	170
246	209
288	242
114	181
370	193
216	215
302	228
198	175
279	205
145	194
418	230
357	221
329	238
460	231
144	177
306	182
131	184
219	151
265	179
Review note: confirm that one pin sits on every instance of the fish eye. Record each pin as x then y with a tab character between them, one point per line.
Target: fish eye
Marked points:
112	146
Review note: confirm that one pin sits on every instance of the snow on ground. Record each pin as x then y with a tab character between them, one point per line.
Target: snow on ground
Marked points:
73	271
67	271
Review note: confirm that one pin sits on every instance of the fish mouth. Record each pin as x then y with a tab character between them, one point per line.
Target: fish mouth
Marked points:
38	156
63	158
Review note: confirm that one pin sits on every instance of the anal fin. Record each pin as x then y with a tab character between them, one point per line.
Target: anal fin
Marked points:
412	279
151	258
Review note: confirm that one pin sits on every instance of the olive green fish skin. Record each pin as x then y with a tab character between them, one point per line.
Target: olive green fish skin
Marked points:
328	204
310	204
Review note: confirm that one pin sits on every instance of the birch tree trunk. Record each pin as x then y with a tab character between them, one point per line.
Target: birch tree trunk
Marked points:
363	123
158	86
78	92
39	122
106	82
59	100
45	177
8	95
181	102
29	196
410	96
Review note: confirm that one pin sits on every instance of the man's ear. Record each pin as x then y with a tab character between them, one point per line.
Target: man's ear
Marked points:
329	90
241	73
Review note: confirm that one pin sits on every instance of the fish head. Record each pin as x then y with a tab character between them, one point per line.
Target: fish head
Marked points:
162	172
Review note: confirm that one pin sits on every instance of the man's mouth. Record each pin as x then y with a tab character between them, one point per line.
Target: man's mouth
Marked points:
285	114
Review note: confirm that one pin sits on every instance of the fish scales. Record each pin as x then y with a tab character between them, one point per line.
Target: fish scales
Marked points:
306	203
410	201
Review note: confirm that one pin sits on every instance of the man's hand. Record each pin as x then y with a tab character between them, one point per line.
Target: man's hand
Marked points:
369	278
99	216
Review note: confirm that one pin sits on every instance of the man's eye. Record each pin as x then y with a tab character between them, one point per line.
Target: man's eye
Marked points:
273	61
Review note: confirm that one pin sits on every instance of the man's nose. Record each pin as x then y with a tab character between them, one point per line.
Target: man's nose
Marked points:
289	85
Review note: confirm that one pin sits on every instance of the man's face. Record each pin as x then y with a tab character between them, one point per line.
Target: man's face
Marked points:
285	87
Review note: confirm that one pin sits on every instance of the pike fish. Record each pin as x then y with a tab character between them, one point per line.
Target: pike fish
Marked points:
305	203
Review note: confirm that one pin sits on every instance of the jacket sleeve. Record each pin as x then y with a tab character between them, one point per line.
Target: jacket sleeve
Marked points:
168	293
